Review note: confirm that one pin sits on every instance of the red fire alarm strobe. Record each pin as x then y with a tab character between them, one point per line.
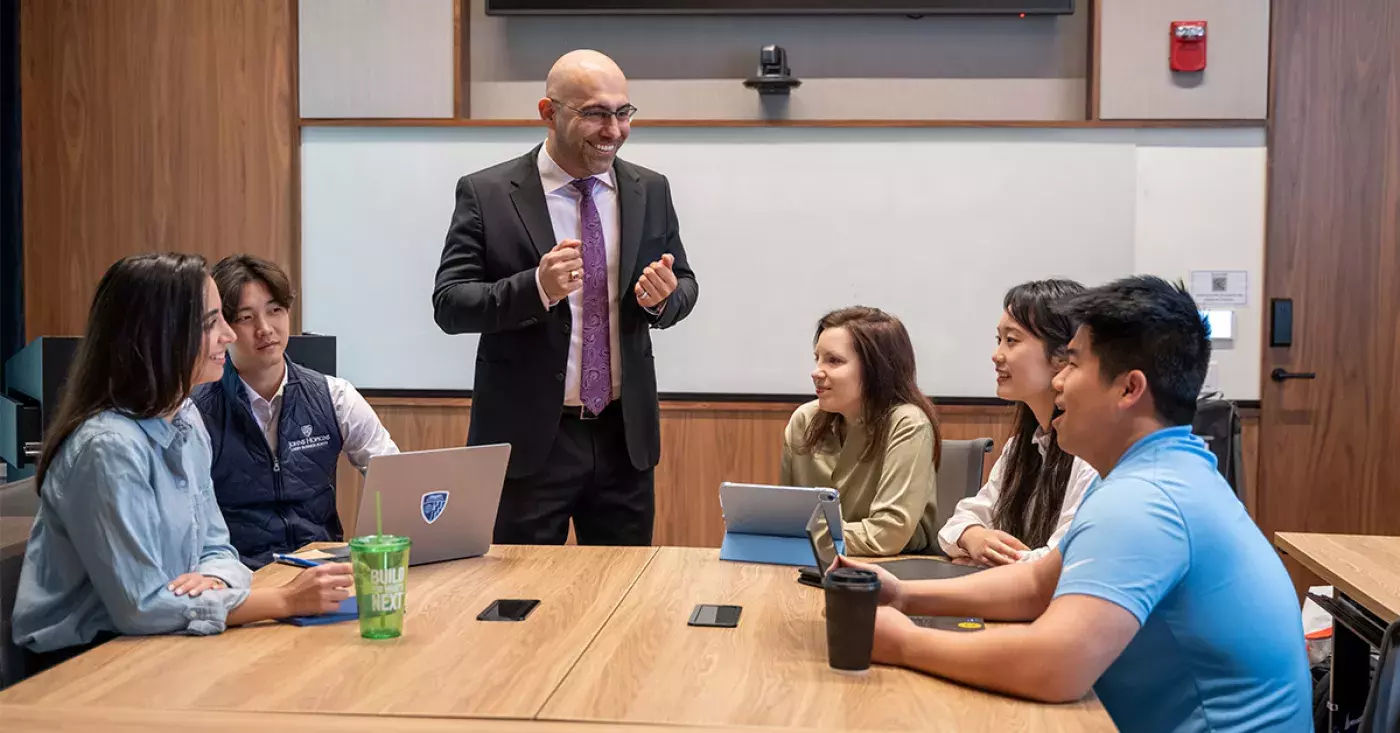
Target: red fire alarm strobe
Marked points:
1188	41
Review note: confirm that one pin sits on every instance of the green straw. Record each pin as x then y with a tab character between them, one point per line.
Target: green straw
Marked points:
378	515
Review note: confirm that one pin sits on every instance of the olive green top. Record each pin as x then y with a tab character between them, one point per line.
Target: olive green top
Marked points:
887	502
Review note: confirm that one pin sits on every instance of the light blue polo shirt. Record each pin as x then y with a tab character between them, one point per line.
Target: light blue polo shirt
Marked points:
1221	645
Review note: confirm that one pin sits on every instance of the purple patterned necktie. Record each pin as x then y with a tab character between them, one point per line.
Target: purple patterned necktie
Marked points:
595	387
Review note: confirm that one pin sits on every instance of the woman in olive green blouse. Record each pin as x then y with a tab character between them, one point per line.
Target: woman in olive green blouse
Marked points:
870	434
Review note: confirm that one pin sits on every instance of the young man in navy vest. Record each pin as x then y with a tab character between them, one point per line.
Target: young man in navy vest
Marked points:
276	427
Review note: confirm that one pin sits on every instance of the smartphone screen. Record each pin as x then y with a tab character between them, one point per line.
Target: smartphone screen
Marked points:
819	534
508	610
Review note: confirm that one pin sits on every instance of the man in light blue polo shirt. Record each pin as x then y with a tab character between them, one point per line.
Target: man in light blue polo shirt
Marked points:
1163	597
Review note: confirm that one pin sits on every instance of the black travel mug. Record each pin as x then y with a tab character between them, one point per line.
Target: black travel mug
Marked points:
851	599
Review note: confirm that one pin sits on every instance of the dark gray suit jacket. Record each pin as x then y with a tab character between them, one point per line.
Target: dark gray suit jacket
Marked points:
486	284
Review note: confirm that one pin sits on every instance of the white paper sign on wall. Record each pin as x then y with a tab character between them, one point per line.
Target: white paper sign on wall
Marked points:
1216	288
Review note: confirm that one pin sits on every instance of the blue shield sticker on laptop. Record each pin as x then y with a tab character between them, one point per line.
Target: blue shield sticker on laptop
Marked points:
434	502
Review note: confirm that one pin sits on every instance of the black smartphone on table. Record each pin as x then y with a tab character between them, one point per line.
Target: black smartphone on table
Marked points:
508	609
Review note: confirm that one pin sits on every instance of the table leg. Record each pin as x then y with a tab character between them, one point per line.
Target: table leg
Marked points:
1351	677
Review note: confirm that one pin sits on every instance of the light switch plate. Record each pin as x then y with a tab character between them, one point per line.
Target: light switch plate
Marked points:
1222	324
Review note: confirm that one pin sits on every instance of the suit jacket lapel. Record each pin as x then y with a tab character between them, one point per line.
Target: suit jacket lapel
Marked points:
528	196
631	203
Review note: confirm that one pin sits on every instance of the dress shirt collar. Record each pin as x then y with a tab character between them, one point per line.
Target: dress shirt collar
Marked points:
255	398
553	178
164	432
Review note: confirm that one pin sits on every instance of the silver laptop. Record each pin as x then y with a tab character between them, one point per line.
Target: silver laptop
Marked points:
444	500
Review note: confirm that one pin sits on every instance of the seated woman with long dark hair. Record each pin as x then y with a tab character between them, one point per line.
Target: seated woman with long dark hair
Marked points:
1028	502
128	539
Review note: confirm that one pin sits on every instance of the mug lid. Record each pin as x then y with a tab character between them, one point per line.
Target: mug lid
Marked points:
852	579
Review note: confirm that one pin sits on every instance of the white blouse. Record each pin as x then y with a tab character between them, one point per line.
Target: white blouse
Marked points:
977	510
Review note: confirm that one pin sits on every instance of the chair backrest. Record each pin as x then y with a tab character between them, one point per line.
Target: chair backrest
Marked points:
19	499
1218	423
18	504
959	476
1382	714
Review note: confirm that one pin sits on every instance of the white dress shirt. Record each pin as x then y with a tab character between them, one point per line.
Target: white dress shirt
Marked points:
977	510
361	433
564	203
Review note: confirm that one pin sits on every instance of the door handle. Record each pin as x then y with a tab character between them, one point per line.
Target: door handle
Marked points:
1280	374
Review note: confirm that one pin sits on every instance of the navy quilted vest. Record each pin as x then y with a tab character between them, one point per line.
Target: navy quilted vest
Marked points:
274	503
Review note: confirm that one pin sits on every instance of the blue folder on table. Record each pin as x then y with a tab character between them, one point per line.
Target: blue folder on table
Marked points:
768	524
349	611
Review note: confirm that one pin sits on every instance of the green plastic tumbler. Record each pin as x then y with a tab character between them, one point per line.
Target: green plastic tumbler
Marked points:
381	583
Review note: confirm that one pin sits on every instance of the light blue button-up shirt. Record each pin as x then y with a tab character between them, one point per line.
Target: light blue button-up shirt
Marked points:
126	507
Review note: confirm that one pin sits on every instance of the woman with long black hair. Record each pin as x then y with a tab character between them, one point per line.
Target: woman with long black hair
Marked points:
1027	504
128	539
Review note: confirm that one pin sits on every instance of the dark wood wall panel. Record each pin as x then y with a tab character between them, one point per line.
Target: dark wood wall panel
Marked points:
702	445
151	125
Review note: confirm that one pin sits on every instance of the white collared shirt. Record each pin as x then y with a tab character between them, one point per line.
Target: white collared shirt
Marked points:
975	511
564	203
361	433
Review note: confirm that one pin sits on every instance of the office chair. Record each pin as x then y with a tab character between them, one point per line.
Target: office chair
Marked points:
959	476
1218	423
17	500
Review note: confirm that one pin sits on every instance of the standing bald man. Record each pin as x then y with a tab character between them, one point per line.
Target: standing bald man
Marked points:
563	260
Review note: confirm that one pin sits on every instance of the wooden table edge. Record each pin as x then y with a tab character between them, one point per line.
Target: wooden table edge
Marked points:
1285	541
130	716
650	552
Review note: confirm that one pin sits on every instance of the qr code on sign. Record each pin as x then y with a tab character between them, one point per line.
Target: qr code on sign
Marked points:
1219	282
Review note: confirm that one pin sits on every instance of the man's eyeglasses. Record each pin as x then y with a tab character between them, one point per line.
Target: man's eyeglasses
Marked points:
600	115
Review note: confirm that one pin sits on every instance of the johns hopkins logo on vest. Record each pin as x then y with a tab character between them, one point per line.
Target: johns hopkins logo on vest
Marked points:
434	502
308	441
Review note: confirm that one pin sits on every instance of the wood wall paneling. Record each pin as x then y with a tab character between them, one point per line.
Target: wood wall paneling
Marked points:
1328	446
294	112
151	126
1249	439
462	63
1093	66
702	445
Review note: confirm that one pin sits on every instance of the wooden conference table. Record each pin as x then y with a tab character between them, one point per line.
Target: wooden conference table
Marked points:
609	644
1364	571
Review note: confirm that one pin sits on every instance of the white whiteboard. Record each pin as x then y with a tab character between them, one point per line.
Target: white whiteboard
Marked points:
784	224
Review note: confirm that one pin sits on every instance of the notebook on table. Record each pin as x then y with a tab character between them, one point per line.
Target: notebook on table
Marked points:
349	611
